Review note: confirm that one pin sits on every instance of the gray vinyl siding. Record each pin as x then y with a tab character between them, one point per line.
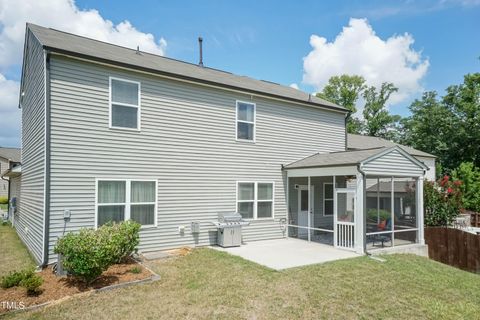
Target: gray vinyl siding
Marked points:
29	224
187	143
393	163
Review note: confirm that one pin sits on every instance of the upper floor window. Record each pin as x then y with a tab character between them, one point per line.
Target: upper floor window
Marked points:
124	104
245	121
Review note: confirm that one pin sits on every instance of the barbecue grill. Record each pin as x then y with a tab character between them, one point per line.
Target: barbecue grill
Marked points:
229	226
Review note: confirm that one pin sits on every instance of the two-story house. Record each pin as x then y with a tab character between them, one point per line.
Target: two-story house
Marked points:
111	133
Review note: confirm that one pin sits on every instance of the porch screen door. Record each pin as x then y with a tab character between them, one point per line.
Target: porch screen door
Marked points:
344	208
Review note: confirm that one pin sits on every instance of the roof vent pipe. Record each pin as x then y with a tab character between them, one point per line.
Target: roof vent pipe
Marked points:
200	42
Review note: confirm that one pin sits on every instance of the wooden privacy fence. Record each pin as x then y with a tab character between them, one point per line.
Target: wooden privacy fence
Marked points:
454	247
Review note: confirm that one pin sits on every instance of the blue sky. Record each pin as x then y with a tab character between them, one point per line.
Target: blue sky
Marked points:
419	45
268	39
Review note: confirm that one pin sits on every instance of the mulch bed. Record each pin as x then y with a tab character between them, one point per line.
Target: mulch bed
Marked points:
54	288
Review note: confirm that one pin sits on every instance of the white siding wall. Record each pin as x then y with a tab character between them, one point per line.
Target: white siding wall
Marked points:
392	163
187	142
29	224
430	163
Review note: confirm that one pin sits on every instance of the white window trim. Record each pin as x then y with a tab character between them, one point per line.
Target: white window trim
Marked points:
128	202
329	199
110	103
254	122
255	199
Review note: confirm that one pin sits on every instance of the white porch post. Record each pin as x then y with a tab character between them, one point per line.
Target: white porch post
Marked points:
359	215
420	218
309	212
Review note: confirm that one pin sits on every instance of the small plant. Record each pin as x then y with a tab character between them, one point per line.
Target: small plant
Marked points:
3	200
381	214
13	279
32	284
136	270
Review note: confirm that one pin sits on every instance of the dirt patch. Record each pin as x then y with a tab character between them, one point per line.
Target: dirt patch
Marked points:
54	288
180	252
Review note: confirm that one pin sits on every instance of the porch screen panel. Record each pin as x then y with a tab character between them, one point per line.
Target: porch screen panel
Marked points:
405	207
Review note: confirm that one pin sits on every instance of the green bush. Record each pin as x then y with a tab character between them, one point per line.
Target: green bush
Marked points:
470	186
373	214
121	238
442	201
3	200
14	278
32	284
90	252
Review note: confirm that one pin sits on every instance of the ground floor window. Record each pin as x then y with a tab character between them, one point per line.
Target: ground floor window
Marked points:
255	200
119	200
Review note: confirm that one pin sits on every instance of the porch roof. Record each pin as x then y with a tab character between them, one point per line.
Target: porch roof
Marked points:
341	158
377	161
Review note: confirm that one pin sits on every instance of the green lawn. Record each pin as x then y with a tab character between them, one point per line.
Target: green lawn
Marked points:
4	207
208	284
13	253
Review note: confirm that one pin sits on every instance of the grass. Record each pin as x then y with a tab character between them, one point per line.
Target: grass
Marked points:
14	255
208	284
4	207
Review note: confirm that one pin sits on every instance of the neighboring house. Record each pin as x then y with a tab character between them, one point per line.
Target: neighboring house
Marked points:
8	157
111	133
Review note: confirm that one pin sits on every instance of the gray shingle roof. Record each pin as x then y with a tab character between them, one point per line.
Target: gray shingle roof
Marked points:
12	154
341	158
63	42
359	142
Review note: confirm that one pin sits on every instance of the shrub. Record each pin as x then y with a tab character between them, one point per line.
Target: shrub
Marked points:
32	284
373	214
121	238
470	177
3	200
442	201
14	278
90	252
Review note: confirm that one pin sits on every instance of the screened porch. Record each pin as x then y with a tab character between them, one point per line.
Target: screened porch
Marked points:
356	200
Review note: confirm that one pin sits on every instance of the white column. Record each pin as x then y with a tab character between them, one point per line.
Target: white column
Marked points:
420	218
359	215
309	213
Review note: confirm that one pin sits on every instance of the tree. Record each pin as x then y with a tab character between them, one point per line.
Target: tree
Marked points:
429	127
463	102
345	90
378	121
449	127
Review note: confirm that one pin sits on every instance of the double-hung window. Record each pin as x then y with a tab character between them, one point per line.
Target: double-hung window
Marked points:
245	121
328	199
255	200
120	200
124	104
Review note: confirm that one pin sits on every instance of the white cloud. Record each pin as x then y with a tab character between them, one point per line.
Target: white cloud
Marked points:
63	15
358	50
294	86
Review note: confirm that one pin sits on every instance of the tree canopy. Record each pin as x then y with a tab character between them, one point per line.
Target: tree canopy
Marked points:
448	126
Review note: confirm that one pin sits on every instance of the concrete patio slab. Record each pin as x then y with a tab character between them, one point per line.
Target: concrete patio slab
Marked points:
287	253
